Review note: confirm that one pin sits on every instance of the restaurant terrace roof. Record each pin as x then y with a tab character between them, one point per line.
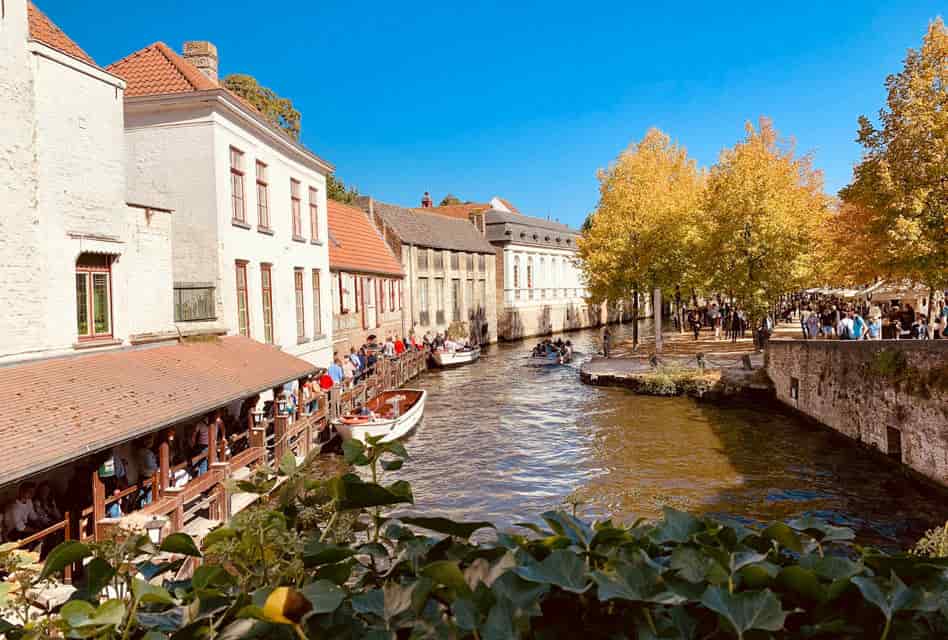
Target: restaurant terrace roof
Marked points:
58	410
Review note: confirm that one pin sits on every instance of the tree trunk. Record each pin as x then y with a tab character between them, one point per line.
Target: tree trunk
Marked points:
657	317
635	316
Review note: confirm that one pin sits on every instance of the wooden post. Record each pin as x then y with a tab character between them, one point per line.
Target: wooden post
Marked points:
164	469
657	318
212	444
67	536
98	502
279	437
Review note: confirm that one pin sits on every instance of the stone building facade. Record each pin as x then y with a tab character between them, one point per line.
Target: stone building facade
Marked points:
249	230
449	270
367	280
83	268
891	395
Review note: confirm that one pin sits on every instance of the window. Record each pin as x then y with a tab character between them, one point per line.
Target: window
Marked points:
401	294
263	197
455	260
391	295
422	259
317	313
193	301
423	317
439	300
482	293
243	313
516	276
295	205
456	300
381	296
438	260
94	296
313	214
237	184
357	287
300	309
469	296
470	262
266	289
481	262
529	273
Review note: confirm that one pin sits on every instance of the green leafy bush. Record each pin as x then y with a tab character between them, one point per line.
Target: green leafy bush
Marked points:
270	574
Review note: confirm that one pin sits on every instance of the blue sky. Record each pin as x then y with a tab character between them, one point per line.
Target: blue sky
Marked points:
528	100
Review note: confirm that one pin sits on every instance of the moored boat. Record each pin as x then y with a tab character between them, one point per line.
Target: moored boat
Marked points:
392	415
455	358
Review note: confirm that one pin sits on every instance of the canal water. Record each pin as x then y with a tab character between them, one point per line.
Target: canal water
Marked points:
504	440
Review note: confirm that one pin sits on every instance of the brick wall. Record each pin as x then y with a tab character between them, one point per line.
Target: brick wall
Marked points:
890	395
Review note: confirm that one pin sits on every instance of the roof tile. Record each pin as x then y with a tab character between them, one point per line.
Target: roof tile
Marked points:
46	31
157	70
356	243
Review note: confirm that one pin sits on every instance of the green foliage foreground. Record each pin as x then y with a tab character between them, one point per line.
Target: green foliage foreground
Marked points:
274	573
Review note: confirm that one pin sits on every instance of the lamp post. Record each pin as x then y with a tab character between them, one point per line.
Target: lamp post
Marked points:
154	529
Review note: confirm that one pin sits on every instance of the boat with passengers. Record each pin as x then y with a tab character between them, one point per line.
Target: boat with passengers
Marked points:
552	352
391	415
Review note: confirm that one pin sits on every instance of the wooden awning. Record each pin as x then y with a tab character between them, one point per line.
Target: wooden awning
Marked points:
58	410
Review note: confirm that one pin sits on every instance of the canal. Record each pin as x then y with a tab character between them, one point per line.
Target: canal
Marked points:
504	441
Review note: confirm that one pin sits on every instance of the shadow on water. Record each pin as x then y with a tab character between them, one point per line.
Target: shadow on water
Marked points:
504	441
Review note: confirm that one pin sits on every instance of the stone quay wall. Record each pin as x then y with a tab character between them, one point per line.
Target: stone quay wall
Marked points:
891	395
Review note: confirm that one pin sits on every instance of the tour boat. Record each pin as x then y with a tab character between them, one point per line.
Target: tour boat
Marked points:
394	414
455	358
550	358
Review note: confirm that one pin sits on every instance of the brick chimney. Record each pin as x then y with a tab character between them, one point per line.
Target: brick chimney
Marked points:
203	55
426	200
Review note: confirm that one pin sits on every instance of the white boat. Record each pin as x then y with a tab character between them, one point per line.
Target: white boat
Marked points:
393	415
455	358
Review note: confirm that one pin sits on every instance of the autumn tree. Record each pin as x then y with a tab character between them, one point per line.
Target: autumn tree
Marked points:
276	109
764	210
901	186
638	237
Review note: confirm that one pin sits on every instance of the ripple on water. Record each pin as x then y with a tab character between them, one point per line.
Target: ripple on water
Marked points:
505	441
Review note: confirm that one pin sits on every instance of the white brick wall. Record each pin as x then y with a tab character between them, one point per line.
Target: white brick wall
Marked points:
179	154
65	194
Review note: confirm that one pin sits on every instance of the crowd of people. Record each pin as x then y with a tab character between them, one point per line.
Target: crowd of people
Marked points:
562	350
829	318
727	321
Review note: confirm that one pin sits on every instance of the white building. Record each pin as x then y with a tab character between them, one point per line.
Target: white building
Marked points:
249	229
82	269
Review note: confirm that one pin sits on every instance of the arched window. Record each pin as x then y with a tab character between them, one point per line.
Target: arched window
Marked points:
530	272
94	296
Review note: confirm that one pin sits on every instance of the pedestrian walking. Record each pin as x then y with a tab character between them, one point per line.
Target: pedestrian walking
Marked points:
606	341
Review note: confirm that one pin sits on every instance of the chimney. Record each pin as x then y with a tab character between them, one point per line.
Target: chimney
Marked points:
203	55
426	200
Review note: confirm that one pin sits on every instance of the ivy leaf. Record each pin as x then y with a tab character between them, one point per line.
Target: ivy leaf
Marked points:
747	610
149	593
803	582
694	566
677	526
500	623
447	526
396	599
316	553
784	536
821	531
561	568
354	453
522	593
372	601
324	595
831	567
288	463
448	573
350	492
65	554
741	559
634	583
391	465
889	596
79	614
573	528
466	615
180	543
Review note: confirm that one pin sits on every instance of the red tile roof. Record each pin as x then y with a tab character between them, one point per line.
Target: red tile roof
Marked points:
508	204
157	70
58	410
460	211
46	31
356	244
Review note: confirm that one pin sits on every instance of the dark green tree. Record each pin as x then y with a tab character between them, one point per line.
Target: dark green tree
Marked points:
276	109
338	191
450	199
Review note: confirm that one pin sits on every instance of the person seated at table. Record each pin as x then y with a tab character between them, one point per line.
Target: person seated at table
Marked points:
44	504
20	519
363	411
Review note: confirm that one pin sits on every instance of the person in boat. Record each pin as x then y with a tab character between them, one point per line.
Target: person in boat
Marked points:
451	346
568	350
363	411
438	342
426	341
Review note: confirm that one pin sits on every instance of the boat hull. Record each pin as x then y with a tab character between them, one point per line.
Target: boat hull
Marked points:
389	429
456	358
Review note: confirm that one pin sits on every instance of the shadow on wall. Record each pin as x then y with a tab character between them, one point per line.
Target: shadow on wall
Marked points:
573	318
545	321
477	321
511	326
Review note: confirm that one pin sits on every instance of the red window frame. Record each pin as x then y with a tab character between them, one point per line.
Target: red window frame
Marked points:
300	305
317	306
89	271
243	315
266	294
263	197
295	207
401	295
314	214
342	295
238	201
381	303
391	294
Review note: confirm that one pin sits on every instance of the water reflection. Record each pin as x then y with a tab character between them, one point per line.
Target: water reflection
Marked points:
504	441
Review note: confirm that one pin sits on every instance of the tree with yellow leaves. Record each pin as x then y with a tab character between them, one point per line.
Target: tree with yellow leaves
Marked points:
640	233
899	191
764	208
